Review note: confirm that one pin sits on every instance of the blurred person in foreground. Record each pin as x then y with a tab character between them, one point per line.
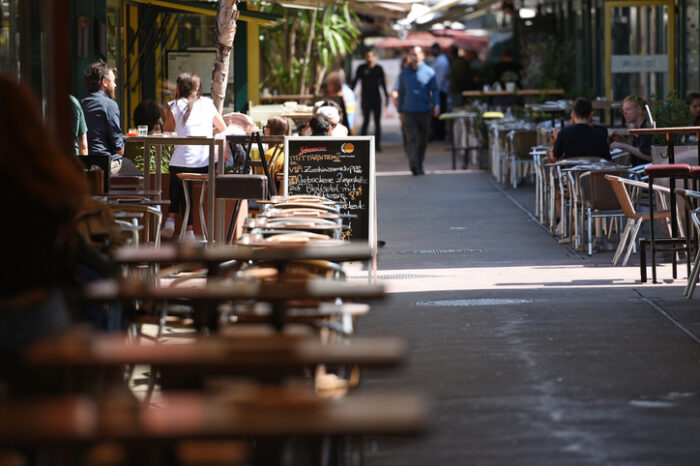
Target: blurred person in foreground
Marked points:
47	188
640	148
418	102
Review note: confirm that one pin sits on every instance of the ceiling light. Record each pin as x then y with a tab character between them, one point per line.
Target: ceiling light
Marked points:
526	13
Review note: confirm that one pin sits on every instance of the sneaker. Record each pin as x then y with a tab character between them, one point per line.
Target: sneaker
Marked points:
189	236
168	228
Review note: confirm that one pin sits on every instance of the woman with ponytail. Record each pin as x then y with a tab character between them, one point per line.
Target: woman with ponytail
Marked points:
189	114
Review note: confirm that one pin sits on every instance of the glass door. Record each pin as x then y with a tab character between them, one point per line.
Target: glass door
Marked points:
639	48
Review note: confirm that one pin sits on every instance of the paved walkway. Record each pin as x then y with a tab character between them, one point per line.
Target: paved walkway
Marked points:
531	354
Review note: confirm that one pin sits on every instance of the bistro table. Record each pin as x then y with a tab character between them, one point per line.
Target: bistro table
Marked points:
670	134
160	140
461	122
220	290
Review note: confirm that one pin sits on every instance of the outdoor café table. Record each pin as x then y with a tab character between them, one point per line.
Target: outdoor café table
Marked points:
607	105
553	109
287	98
69	424
460	139
214	255
159	140
241	353
277	293
670	134
517	92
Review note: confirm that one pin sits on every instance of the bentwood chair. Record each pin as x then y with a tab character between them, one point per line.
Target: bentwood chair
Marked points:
635	219
521	142
691	199
598	201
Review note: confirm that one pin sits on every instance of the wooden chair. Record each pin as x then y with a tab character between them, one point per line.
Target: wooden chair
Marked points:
634	219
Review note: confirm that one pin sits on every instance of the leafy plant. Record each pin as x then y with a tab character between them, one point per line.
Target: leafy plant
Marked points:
669	113
509	76
306	45
135	153
549	65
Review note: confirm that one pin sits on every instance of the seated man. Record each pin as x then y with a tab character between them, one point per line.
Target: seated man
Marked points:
580	139
104	134
640	148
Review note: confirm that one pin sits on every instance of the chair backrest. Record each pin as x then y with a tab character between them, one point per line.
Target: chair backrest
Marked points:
241	187
622	195
521	143
597	191
104	162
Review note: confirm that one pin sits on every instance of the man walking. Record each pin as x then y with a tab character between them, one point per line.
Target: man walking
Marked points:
104	135
372	77
441	66
418	102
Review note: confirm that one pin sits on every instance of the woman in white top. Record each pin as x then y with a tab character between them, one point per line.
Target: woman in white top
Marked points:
189	114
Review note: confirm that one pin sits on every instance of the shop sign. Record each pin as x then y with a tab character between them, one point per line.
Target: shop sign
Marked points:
639	63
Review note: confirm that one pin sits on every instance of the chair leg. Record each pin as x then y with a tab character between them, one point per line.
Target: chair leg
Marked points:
202	194
187	210
623	241
693	277
633	238
590	227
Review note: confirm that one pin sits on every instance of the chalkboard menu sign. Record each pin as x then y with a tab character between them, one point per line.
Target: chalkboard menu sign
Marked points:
341	169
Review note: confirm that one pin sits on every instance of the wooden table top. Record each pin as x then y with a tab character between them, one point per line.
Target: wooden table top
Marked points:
347	251
267	411
239	352
287	97
676	130
217	290
528	92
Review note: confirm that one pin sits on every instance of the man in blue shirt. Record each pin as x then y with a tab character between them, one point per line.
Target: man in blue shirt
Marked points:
104	133
418	101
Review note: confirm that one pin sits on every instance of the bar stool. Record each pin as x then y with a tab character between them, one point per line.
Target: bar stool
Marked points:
673	172
193	178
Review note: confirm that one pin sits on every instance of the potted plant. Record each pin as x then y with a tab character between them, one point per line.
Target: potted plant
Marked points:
672	112
509	78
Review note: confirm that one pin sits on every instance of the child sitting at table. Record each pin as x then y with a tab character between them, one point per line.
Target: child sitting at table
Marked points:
276	126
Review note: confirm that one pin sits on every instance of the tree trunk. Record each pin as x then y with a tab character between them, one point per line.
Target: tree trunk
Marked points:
307	55
292	52
226	19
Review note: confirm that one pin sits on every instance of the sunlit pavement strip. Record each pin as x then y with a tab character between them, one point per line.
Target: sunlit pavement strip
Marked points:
510	277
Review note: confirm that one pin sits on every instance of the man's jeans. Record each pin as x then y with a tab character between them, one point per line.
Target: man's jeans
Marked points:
123	166
416	125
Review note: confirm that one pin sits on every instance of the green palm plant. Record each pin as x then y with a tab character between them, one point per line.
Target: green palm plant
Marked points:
297	55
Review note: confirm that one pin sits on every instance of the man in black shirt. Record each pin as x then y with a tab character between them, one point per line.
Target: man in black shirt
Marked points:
372	76
581	139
